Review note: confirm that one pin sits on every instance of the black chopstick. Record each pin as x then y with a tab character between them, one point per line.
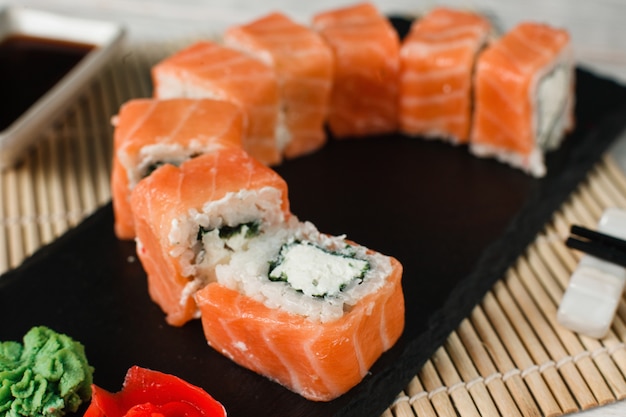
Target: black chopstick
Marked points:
600	245
598	237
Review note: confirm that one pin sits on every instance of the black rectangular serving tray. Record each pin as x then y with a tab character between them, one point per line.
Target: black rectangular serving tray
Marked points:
455	222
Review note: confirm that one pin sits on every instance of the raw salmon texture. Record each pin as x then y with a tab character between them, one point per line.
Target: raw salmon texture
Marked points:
188	219
319	361
209	70
366	47
149	133
524	96
437	60
303	63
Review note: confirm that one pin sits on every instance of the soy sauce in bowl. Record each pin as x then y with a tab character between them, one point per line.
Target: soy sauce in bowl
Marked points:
29	67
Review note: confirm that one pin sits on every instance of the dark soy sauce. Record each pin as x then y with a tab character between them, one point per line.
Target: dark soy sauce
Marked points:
29	67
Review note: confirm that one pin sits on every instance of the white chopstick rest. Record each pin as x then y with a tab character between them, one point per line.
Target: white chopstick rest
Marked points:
595	288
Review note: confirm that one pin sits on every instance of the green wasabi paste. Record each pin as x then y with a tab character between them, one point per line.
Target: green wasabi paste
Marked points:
46	376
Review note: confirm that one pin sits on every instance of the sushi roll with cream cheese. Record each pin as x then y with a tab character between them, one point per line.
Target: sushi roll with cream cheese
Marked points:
303	308
190	218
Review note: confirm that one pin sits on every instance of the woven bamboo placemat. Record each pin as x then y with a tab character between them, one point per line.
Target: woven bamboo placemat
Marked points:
508	358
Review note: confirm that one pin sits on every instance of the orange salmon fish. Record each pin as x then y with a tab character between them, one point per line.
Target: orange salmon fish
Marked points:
209	70
151	132
320	361
303	63
437	61
225	190
524	96
364	99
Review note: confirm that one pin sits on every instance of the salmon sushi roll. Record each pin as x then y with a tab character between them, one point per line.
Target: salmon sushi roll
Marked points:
366	47
149	133
303	63
208	70
189	219
524	96
310	311
437	61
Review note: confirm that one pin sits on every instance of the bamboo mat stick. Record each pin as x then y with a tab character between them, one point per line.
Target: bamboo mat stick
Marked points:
605	193
607	367
621	311
561	259
549	255
614	172
41	179
16	244
28	205
578	202
488	372
4	246
617	194
70	182
419	400
140	65
589	202
401	407
437	392
511	375
559	223
616	198
597	191
560	343
546	366
582	215
546	276
615	347
100	112
56	192
86	186
388	413
456	388
470	378
120	91
522	359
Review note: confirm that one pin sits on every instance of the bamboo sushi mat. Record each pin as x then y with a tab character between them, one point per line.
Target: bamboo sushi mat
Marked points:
509	357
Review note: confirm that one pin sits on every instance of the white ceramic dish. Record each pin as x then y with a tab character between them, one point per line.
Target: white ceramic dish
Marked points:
596	286
104	36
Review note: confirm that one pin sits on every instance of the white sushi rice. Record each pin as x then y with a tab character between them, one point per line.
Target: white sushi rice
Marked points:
172	84
532	164
248	274
242	263
551	117
137	166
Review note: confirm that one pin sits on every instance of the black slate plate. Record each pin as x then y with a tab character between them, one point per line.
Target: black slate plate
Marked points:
456	223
